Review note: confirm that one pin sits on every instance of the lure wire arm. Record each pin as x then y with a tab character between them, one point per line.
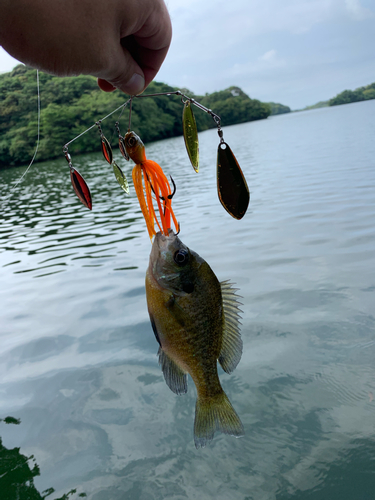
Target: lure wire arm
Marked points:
214	116
130	113
99	121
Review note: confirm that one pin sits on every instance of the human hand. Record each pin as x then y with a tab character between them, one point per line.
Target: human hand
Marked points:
122	42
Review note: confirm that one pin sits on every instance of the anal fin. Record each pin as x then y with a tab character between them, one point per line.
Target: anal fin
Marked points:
175	378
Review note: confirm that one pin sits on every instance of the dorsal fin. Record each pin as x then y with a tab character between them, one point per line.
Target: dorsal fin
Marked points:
231	349
175	378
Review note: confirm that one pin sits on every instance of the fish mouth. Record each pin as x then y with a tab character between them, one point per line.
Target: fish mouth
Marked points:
162	241
160	245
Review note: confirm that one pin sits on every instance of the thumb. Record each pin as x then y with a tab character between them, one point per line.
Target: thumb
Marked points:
124	74
134	86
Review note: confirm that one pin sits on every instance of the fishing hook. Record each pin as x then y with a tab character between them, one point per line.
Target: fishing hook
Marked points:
170	196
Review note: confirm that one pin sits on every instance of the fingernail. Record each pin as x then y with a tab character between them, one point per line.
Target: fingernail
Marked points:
135	85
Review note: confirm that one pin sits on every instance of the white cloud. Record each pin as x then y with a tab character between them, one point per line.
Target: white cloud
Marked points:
264	65
269	56
356	10
210	38
230	20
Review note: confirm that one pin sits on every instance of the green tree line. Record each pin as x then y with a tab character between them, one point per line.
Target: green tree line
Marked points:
359	94
278	109
70	105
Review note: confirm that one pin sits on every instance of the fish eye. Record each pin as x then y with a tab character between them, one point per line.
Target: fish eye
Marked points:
181	257
131	141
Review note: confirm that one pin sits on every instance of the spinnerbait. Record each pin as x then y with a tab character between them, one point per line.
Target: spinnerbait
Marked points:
232	188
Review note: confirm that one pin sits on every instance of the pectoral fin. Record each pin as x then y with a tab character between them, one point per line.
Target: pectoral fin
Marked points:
175	378
154	329
231	349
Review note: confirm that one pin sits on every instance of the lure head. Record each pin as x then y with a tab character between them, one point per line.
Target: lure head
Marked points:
135	147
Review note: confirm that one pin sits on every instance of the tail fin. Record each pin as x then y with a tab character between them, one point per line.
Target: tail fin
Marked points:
215	414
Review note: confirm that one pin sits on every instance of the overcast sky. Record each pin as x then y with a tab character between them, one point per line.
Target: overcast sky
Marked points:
296	52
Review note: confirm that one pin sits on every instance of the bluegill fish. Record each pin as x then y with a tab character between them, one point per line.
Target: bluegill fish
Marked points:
195	319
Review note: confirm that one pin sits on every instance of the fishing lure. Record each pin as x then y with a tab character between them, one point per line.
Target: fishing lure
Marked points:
232	188
149	179
190	135
79	184
108	156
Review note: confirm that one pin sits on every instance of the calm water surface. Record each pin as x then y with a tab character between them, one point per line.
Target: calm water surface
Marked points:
78	361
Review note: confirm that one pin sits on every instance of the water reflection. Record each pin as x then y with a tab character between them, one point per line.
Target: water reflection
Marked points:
44	220
17	473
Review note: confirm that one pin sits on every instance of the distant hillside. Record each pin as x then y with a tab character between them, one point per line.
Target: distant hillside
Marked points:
71	105
345	97
359	94
278	109
320	104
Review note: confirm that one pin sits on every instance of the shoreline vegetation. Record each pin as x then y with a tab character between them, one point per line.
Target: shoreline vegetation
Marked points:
345	97
70	105
278	109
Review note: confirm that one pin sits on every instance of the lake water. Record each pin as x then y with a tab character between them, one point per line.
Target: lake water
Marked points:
78	361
